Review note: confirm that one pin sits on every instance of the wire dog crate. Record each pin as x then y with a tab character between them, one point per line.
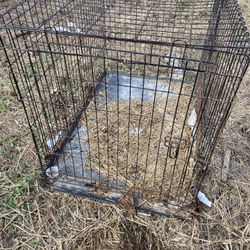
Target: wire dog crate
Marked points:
126	99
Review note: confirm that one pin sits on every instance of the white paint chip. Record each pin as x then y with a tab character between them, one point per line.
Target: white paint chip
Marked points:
203	199
52	172
192	121
61	29
71	24
137	130
55	138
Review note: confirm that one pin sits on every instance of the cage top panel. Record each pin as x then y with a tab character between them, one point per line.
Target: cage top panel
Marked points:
189	22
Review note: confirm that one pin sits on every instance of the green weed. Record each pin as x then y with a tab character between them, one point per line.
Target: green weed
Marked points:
8	143
3	105
20	188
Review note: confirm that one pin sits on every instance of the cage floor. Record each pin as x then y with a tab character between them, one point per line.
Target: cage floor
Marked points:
132	106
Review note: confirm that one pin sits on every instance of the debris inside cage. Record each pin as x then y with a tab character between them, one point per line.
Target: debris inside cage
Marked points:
160	207
52	172
131	111
71	24
55	138
61	29
203	199
133	118
192	121
137	131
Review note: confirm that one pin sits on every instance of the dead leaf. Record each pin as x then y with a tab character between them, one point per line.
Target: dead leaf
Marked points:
97	192
100	187
101	183
127	202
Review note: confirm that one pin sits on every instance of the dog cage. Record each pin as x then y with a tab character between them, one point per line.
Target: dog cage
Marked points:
126	99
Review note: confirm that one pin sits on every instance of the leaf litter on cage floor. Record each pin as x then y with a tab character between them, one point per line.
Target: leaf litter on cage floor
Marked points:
134	123
129	122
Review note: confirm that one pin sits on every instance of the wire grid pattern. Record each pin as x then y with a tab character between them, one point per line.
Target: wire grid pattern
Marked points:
121	79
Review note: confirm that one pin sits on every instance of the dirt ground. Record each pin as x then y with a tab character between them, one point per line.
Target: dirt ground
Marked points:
32	217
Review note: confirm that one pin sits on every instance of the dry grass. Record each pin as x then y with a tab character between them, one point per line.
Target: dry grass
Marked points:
34	218
135	155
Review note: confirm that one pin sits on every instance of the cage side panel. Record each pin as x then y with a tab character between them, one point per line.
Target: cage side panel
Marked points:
54	82
222	79
220	87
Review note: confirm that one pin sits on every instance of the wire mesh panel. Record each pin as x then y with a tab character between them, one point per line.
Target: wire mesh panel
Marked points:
126	99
